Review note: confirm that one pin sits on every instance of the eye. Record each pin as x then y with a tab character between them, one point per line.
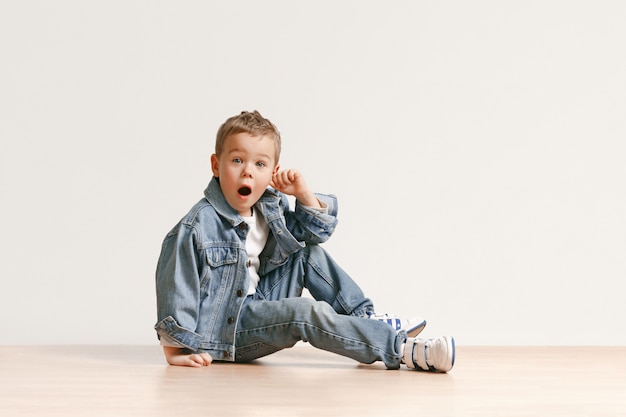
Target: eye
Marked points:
237	160
261	164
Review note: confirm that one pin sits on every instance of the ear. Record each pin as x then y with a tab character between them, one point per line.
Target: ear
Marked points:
276	169
215	166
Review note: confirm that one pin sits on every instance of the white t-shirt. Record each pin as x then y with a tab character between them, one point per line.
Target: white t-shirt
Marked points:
255	242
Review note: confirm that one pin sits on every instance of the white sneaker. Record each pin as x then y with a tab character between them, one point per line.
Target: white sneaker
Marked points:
435	355
412	326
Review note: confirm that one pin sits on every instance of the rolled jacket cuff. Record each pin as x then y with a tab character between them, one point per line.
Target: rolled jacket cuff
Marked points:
171	334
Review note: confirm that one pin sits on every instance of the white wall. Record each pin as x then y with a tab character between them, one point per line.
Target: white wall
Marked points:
477	150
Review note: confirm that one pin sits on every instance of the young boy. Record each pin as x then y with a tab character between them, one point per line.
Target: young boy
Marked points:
231	272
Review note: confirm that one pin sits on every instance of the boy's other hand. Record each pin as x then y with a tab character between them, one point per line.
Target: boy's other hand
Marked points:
177	356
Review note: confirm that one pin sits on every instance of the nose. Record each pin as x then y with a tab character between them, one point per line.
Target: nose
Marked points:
247	170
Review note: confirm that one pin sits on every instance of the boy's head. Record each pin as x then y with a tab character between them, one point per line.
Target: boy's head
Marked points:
248	122
247	148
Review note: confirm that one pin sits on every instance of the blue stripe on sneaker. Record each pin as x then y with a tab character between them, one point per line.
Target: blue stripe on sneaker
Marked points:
453	351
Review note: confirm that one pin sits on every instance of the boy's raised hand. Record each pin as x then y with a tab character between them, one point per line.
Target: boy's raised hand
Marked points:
291	181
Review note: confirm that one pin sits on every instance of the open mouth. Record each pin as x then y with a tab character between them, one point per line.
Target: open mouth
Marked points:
245	190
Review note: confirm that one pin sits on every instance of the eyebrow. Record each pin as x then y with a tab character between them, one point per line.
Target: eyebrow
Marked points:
238	150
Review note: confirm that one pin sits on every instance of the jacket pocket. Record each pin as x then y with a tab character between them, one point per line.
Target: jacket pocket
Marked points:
220	256
220	265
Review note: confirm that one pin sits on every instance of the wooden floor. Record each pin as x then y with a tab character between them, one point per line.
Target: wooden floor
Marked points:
486	381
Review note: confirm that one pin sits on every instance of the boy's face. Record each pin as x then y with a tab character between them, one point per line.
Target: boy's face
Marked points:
245	169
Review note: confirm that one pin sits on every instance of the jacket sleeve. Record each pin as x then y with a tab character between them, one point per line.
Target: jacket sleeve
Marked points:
178	289
310	225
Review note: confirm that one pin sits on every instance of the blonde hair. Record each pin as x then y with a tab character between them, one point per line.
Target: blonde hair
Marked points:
247	122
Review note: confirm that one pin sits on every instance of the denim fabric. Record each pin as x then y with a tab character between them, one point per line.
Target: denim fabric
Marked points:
202	281
276	317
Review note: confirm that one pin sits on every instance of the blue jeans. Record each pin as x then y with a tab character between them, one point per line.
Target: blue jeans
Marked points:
276	317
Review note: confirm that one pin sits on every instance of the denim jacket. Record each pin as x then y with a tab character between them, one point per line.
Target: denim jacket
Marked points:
201	276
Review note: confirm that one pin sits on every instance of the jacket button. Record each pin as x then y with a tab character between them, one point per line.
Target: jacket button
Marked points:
230	320
239	293
226	354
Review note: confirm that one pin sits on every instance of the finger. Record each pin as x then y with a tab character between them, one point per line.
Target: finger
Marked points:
202	359
289	176
192	360
280	179
206	359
